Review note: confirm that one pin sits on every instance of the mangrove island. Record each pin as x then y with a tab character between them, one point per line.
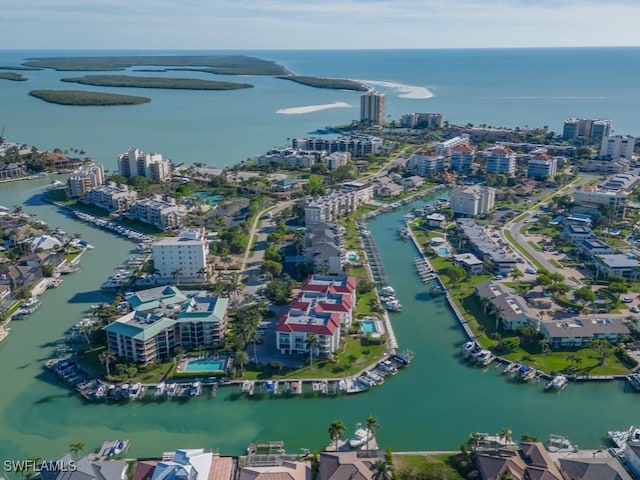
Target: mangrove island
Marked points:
86	98
153	82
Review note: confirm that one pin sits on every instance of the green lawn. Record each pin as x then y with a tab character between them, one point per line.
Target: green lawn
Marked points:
89	359
417	466
521	249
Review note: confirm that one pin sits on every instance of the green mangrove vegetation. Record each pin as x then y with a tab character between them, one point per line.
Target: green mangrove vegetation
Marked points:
16	77
18	68
155	82
219	64
332	83
86	98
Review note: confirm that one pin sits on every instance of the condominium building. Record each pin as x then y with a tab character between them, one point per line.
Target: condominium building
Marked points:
112	197
336	160
501	160
85	178
485	248
149	165
338	203
202	321
608	197
617	146
472	199
359	145
462	158
323	248
542	166
372	108
444	148
426	163
165	214
422	120
182	257
586	128
291	157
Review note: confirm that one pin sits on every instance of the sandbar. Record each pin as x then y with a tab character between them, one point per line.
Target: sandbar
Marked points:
311	108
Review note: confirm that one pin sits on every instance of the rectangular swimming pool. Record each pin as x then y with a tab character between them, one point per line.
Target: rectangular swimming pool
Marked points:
368	326
205	365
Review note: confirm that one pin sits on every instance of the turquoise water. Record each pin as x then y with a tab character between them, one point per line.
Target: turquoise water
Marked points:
482	86
208	197
443	251
205	365
352	256
368	326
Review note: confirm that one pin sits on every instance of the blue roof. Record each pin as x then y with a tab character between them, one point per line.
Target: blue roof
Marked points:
558	219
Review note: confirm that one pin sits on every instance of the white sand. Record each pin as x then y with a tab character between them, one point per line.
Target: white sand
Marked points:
311	108
406	91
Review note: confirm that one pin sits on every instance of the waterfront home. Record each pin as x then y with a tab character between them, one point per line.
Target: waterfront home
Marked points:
469	262
5	292
85	468
528	460
385	187
340	303
12	171
202	321
112	197
277	469
19	276
617	264
43	242
193	464
187	254
593	465
435	219
510	309
348	465
144	469
414	181
579	332
323	248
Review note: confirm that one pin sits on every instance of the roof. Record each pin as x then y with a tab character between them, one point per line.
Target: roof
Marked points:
585	327
313	321
192	464
204	309
530	461
346	466
144	469
286	471
329	283
594	469
139	325
84	469
152	297
468	259
463	149
618	260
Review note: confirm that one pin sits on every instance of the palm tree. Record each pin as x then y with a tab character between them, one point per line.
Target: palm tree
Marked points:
76	448
383	470
485	303
336	432
497	311
204	273
312	343
475	439
372	423
121	367
241	360
505	434
176	275
106	357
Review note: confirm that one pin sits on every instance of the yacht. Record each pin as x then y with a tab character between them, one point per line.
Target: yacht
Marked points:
388	366
484	357
393	305
388	290
360	437
557	383
620	438
634	380
526	373
468	348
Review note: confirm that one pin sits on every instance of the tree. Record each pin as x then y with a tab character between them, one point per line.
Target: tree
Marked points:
383	470
106	357
241	360
176	275
312	342
485	303
372	424
505	434
602	349
273	269
516	274
48	270
497	311
525	437
204	273
336	432
475	439
584	295
76	448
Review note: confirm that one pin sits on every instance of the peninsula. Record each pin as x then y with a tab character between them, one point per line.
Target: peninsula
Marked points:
330	83
86	98
155	82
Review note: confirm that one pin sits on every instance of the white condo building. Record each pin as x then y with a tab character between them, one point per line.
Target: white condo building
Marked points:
426	163
184	256
542	166
501	160
472	199
462	158
608	197
164	214
617	146
337	204
112	197
336	160
444	148
149	165
372	108
586	128
84	179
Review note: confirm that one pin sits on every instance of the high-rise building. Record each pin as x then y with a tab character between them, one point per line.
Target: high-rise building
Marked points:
542	166
84	179
372	108
472	199
586	128
185	254
501	160
150	165
617	146
426	163
462	158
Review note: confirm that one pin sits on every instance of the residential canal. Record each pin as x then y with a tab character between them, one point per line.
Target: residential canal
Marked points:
434	404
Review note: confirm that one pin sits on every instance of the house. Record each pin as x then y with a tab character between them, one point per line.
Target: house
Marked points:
511	310
67	468
347	466
435	219
44	242
579	332
287	470
19	276
600	465
191	464
389	189
617	264
529	461
414	181
469	262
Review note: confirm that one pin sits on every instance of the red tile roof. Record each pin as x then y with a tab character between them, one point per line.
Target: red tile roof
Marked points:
463	148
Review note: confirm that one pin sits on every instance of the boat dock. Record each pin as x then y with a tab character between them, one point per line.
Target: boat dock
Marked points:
378	274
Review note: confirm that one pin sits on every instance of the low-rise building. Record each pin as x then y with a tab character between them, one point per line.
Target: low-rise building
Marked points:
494	256
435	219
579	332
473	199
414	181
593	248
165	214
577	233
336	160
469	262
385	187
359	145
84	179
619	165
426	164
511	310
337	204
292	158
113	198
608	197
617	264
323	248
182	257
10	171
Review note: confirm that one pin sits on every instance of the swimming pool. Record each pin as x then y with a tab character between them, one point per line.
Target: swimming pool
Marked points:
443	252
368	326
205	365
210	198
352	256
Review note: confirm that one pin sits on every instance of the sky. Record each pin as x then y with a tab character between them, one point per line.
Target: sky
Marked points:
316	24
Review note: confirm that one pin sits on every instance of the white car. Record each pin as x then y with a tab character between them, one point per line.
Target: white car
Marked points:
530	271
635	309
627	300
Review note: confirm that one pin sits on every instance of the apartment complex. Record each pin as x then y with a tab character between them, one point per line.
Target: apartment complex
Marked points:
444	148
323	308
372	108
512	309
182	257
617	146
84	179
149	165
112	197
426	163
586	128
472	199
462	158
359	145
161	212
290	156
336	160
323	248
422	120
501	160
608	197
542	166
338	203
479	243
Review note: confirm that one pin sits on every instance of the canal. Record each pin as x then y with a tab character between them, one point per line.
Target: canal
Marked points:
434	404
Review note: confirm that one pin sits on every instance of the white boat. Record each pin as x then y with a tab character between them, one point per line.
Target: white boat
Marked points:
388	290
374	376
634	380
484	357
195	389
159	389
526	373
468	348
620	438
360	437
393	305
135	390
557	383
388	366
512	367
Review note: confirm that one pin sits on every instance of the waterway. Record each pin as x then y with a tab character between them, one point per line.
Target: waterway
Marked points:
434	404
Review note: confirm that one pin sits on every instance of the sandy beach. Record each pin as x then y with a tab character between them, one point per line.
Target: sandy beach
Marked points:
405	91
311	108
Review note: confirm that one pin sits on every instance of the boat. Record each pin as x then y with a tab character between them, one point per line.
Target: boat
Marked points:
634	380
393	305
400	359
159	389
525	373
388	290
360	437
195	389
388	366
484	357
120	446
557	383
512	367
374	376
135	390
620	438
468	348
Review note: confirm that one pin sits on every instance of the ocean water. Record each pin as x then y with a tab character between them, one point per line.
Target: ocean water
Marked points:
499	87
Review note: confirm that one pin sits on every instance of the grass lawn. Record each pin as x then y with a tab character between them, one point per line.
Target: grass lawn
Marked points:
429	466
524	252
89	359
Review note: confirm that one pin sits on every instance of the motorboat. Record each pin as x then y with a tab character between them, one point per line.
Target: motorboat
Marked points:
634	380
468	348
526	373
360	437
557	383
135	390
366	380
512	367
374	376
400	359
195	389
393	305
388	366
484	357
388	290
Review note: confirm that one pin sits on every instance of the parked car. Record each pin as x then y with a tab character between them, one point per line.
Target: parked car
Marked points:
498	277
627	300
530	271
635	309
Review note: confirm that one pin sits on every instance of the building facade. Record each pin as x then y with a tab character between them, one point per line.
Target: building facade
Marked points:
586	128
422	120
359	145
617	146
337	160
182	257
337	204
473	199
149	165
112	197
84	179
542	166
164	214
501	160
426	163
372	111
462	158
